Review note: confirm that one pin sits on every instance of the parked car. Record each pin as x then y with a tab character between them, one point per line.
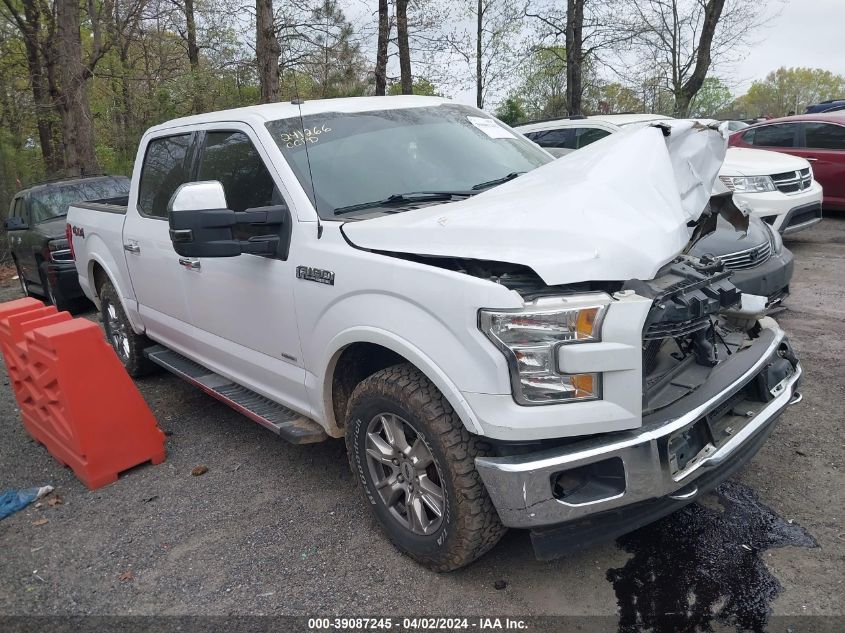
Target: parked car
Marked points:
412	275
36	234
831	105
818	138
777	188
761	264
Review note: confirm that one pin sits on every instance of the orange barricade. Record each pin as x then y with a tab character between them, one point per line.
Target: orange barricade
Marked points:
75	397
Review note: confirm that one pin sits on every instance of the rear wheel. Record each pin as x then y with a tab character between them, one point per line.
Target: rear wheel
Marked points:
416	464
128	345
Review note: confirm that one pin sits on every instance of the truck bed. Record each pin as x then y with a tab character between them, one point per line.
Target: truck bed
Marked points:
97	233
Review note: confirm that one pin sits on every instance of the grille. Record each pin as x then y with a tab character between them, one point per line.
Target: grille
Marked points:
793	181
748	258
805	215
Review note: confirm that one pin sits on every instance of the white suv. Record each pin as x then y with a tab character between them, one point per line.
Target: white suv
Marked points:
776	187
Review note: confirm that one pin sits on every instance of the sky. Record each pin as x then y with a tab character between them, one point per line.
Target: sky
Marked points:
808	33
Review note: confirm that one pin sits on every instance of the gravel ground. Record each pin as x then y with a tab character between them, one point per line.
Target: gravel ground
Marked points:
279	529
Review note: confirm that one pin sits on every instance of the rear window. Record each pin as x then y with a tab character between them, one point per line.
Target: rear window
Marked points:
824	136
782	135
165	168
51	201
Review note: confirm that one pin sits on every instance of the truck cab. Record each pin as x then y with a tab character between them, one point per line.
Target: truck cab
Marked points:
502	339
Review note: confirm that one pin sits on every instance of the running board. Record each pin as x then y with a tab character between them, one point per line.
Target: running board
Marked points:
284	422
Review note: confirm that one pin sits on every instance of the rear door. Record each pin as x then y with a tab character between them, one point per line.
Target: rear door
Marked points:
242	308
823	144
154	267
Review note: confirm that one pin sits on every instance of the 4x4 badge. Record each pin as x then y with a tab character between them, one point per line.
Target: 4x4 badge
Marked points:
315	274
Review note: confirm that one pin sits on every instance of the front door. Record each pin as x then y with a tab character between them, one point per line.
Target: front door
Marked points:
824	147
242	308
154	267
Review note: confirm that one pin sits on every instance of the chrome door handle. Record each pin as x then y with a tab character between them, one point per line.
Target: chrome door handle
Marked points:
190	263
810	158
132	248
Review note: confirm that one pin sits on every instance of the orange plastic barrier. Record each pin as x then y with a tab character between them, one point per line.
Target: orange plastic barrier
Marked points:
75	397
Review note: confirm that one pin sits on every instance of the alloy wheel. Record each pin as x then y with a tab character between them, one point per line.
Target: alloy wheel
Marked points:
405	474
116	331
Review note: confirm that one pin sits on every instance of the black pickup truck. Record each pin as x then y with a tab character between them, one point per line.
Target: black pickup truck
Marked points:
37	239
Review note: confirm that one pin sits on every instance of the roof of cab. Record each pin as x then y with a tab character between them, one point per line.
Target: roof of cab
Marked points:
284	110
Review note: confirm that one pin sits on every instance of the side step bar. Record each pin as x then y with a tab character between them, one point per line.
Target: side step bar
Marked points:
288	424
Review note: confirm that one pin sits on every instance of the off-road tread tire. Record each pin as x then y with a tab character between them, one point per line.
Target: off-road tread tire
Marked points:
138	364
477	527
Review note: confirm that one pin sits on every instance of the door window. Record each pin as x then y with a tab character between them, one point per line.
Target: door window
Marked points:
165	168
782	135
586	135
550	138
824	136
231	159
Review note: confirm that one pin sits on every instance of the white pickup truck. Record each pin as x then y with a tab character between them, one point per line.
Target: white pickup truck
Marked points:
503	339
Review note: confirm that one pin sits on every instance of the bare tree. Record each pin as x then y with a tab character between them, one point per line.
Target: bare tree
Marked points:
381	47
267	51
405	77
574	54
681	40
491	52
582	35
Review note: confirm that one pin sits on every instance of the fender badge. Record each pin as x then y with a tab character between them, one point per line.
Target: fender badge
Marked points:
315	274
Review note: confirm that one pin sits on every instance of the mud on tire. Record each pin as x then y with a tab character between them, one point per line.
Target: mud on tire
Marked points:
469	524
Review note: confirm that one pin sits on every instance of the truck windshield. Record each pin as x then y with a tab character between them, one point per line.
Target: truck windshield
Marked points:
370	160
51	201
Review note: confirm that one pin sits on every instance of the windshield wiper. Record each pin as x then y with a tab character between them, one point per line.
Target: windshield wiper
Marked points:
402	198
498	181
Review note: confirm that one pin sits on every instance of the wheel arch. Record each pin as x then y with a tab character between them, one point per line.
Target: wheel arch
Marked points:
97	274
356	354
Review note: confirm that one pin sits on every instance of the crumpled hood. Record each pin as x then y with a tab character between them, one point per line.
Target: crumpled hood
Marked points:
618	209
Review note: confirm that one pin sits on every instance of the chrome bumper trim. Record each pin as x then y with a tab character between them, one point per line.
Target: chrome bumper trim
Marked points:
521	488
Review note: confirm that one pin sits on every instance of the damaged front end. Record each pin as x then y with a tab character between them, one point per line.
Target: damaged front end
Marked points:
716	377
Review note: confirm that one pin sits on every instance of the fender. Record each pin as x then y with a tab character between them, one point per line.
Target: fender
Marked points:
127	296
405	349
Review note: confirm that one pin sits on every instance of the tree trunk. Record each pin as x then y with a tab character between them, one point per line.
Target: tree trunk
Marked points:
72	103
30	24
684	93
381	50
574	55
479	80
193	54
404	49
267	51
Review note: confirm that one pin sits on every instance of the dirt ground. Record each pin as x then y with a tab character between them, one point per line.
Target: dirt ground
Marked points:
279	529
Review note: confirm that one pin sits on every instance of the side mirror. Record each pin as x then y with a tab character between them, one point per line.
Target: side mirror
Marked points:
201	225
15	223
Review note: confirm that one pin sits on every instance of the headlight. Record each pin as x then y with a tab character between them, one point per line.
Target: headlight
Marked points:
775	239
530	338
748	184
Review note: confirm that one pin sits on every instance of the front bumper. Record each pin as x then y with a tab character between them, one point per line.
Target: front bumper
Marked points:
775	206
522	486
770	279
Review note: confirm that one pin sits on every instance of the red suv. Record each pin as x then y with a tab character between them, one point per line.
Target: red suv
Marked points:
820	138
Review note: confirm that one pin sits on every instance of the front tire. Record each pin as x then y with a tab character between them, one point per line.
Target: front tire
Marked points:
128	345
22	280
415	461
